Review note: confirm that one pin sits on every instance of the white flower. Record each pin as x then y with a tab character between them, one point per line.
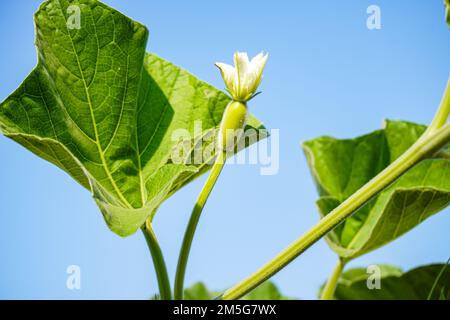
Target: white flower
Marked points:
243	80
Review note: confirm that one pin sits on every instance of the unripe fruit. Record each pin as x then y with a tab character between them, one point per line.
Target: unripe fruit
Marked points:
232	125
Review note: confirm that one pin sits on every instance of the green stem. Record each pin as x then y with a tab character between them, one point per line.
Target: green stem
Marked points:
427	145
330	287
192	224
158	261
444	109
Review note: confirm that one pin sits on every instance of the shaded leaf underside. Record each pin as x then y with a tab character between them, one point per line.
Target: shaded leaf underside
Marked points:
102	109
341	167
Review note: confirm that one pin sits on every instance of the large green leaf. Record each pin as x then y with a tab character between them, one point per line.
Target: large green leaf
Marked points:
102	109
266	291
341	167
447	11
416	284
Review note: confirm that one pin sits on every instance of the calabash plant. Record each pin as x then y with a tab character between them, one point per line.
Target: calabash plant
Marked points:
105	111
373	189
242	82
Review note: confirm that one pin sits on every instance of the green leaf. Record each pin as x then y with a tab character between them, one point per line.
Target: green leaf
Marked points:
266	291
341	167
415	284
102	109
199	291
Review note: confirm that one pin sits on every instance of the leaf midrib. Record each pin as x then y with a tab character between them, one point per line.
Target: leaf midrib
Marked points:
94	123
357	234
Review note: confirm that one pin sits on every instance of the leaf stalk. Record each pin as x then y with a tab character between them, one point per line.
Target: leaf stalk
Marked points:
158	261
330	286
443	111
192	224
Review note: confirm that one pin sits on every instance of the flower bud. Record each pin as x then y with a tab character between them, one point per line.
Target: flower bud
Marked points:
243	80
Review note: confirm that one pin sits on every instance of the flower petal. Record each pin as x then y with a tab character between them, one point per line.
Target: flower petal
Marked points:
242	65
242	80
228	74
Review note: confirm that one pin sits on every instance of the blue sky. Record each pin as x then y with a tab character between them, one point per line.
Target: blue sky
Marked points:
327	74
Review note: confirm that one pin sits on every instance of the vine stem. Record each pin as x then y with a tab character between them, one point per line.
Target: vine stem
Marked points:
193	222
443	111
437	136
330	287
158	261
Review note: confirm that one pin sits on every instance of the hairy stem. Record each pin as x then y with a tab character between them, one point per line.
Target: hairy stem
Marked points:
330	287
444	109
192	225
158	261
434	139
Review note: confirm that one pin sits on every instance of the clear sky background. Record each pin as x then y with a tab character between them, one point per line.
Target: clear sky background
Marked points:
327	74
